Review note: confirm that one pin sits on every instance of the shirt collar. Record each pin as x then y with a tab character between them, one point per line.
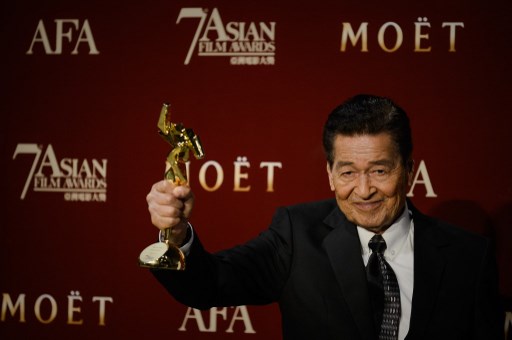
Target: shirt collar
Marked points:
395	236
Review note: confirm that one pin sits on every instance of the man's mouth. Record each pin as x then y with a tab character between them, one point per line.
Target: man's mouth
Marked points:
367	206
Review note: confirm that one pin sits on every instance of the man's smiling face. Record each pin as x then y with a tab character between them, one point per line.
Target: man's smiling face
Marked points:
369	179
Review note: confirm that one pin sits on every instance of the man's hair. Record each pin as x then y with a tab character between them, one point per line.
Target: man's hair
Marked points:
369	115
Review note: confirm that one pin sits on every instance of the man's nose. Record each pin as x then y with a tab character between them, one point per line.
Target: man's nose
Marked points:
364	188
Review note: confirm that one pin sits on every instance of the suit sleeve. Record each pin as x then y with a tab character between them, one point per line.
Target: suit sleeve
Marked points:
252	273
489	314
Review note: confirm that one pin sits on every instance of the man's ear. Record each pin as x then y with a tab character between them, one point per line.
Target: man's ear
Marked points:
329	174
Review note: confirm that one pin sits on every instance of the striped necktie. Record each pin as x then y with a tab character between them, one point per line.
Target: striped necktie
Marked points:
384	291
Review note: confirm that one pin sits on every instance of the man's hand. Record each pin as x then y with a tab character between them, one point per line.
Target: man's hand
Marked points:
170	206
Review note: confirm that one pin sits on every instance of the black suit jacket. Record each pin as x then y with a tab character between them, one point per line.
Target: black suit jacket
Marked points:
309	261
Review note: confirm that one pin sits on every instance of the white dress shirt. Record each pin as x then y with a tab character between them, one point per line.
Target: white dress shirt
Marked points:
399	253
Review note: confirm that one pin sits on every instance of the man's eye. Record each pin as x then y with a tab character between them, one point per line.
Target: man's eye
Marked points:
348	174
379	172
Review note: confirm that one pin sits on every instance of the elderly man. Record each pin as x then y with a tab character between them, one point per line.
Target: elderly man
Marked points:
365	265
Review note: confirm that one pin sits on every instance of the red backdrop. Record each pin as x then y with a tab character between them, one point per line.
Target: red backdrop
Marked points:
83	84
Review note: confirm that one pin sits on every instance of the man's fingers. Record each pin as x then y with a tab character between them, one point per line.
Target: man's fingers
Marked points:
165	222
158	198
164	186
169	204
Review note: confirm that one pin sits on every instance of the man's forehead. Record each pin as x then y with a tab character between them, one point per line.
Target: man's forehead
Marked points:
382	141
377	149
380	161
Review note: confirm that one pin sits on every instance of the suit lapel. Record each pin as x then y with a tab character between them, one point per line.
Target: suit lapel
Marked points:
344	250
429	266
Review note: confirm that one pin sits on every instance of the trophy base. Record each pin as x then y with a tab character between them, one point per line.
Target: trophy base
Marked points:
162	256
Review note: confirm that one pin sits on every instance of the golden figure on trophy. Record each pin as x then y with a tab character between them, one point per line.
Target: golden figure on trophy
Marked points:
164	254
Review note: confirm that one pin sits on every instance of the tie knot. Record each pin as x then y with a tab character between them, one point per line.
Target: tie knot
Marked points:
377	244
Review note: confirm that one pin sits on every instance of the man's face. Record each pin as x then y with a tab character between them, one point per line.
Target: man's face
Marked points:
369	179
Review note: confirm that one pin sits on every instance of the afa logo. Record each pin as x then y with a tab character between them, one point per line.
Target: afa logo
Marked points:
245	43
67	33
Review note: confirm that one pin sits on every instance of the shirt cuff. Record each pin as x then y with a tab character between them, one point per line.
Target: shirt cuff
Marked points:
185	249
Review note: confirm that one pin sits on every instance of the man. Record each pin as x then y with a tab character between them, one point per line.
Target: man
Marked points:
421	278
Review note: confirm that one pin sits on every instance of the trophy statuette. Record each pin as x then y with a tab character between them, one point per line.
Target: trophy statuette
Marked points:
164	254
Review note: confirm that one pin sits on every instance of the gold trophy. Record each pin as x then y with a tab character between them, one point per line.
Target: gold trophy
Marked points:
164	254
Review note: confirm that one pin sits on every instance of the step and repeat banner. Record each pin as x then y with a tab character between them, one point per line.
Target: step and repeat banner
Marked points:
83	83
